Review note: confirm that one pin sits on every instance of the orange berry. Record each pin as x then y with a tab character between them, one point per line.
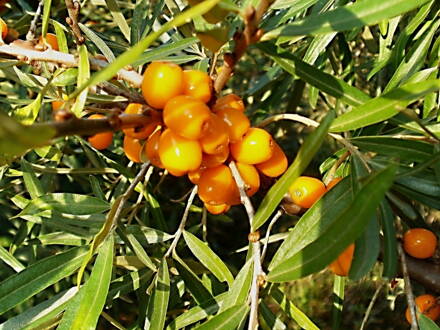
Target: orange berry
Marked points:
275	165
186	116
217	209
419	243
215	159
103	140
216	137
179	155
305	191
51	39
132	148
427	305
197	84
57	105
144	131
194	176
4	28
333	183
256	147
229	101
341	266
152	149
238	123
162	81
217	186
250	176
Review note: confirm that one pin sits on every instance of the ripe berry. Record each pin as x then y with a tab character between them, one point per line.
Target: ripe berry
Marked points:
57	105
333	183
194	176
178	154
305	191
216	137
427	305
197	84
419	243
217	186
144	131
215	159
186	116
4	28
217	209
51	39
162	81
275	165
103	140
341	266
250	176
229	101
256	147
152	149
238	123
132	148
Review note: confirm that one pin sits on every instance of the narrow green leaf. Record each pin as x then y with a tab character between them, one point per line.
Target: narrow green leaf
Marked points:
29	113
140	252
415	58
102	46
385	106
83	78
46	16
314	222
147	235
344	231
425	323
197	313
304	156
395	147
338	301
33	185
271	321
348	17
194	285
66	78
239	291
112	5
389	241
291	310
323	81
208	258
134	52
367	246
158	302
41	313
85	314
61	37
10	260
128	283
65	203
39	276
229	319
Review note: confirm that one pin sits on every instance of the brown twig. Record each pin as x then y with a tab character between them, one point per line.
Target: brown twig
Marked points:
248	36
83	126
25	51
73	8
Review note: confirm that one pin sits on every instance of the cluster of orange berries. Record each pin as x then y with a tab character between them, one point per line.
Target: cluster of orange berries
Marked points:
194	137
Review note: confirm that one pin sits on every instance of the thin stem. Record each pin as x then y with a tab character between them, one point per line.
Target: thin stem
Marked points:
241	188
269	228
370	306
182	224
73	8
408	289
30	35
